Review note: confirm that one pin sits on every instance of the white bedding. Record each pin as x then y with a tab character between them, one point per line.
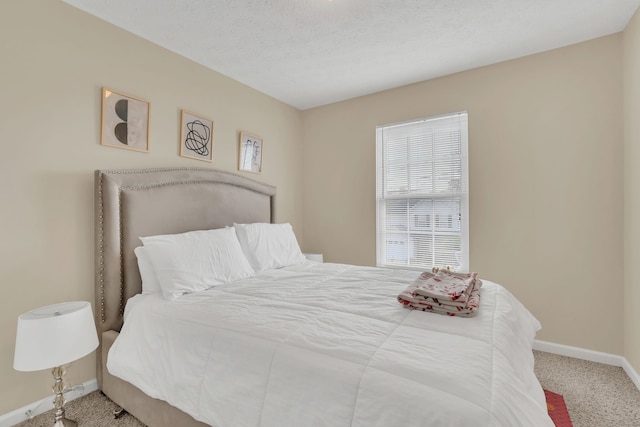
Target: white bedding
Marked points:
329	345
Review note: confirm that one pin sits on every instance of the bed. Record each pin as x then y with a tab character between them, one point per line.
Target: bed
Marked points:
305	344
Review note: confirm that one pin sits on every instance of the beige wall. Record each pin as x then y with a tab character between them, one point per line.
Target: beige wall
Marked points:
632	192
546	197
55	59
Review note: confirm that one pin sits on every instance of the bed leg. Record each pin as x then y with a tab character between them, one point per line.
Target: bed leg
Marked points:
119	412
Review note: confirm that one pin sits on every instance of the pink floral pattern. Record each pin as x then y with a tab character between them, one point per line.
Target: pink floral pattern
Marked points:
445	292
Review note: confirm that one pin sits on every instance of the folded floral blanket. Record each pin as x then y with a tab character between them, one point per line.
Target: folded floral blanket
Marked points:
469	310
450	289
436	301
446	286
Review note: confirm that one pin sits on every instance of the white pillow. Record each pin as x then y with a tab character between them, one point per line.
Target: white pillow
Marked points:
269	245
150	284
196	260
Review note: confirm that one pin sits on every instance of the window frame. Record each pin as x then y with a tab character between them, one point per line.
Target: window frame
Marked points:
434	218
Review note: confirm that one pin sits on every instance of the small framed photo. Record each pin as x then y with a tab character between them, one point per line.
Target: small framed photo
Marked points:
196	137
250	153
125	121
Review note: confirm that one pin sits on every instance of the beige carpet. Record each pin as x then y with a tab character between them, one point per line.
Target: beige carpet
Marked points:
596	395
92	410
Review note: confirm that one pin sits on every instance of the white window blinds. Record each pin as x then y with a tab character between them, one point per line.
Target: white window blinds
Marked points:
422	193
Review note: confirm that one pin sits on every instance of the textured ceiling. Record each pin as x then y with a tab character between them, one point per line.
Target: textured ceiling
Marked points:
314	52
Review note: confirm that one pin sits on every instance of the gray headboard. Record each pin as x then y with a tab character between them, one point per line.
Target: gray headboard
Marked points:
134	203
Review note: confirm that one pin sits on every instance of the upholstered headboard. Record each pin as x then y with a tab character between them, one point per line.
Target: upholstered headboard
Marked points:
134	203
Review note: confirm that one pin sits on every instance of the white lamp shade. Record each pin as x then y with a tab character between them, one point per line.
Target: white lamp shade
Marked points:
54	335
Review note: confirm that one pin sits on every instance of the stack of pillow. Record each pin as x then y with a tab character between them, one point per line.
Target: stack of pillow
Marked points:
177	264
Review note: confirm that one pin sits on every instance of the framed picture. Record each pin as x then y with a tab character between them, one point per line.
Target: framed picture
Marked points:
196	137
250	157
125	121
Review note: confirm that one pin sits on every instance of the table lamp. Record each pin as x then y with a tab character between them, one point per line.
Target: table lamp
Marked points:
51	337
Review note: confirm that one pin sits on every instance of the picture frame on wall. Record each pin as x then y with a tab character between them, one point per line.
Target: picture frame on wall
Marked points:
250	153
196	136
125	121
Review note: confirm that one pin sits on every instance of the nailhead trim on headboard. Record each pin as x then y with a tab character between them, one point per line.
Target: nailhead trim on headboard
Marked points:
101	248
122	290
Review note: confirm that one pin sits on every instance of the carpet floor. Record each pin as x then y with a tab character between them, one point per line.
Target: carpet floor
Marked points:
596	395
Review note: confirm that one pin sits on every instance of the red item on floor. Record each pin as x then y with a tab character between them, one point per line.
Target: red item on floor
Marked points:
557	409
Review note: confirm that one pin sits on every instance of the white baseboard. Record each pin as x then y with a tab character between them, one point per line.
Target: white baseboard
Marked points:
631	372
578	353
43	405
590	355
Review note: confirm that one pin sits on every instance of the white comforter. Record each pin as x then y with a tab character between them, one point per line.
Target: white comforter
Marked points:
329	345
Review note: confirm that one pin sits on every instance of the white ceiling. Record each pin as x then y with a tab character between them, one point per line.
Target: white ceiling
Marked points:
308	53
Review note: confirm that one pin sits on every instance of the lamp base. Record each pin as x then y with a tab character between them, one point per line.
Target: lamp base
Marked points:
64	422
58	388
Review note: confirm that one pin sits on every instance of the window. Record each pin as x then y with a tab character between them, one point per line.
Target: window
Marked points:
422	193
